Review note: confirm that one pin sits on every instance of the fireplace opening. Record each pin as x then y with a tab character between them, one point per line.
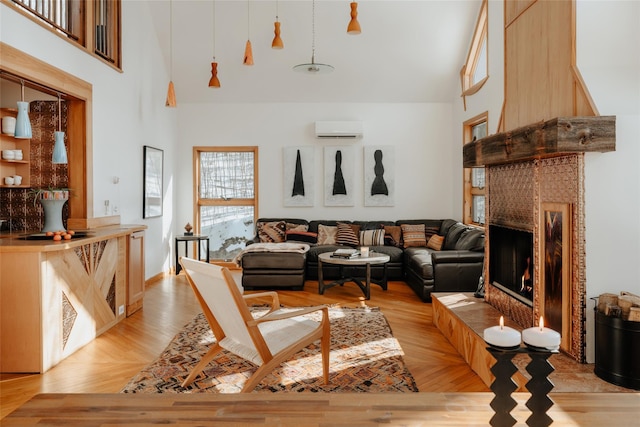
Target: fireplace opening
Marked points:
511	262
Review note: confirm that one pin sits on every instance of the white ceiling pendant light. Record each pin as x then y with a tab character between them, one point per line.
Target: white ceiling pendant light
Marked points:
59	151
313	67
23	124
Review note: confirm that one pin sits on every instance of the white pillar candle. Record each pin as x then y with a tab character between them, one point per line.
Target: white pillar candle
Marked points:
502	336
541	337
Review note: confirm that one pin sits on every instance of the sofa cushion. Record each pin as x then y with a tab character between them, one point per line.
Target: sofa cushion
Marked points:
471	240
413	235
302	236
435	242
446	225
348	234
419	261
271	232
372	237
327	234
452	236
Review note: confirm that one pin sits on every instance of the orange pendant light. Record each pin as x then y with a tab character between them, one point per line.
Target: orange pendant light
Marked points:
171	93
277	41
214	81
354	25
248	52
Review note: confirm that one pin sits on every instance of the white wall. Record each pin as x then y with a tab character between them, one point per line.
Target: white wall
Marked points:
128	112
609	61
420	134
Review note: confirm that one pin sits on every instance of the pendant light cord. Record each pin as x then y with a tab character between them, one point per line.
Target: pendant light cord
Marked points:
248	20
214	31
171	38
313	31
59	113
21	90
277	12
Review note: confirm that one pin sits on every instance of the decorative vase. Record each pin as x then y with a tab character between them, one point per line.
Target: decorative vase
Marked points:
52	202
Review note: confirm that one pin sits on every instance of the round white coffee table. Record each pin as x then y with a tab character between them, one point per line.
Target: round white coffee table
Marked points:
374	258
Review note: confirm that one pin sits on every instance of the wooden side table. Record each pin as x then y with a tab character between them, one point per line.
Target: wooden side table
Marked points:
199	238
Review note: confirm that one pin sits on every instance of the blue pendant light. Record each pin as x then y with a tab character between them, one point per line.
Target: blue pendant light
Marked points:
59	150
23	125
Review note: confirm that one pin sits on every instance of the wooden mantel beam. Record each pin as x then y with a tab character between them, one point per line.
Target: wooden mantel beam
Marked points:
555	137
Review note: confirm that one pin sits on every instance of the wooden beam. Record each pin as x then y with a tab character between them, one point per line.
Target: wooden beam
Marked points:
555	137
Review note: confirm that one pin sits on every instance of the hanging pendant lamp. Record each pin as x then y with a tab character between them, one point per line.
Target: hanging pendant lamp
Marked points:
354	25
248	52
23	125
313	67
171	93
214	81
59	150
277	41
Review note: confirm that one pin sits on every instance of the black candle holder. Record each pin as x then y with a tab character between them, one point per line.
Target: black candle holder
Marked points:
539	386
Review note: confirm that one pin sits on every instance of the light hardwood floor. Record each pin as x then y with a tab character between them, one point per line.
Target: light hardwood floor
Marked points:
107	364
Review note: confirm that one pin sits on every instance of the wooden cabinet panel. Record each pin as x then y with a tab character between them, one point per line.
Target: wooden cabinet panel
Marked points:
53	302
135	274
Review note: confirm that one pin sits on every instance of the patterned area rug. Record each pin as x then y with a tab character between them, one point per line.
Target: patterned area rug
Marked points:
365	357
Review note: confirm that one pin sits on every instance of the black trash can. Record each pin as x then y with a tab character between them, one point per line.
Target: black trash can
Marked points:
617	351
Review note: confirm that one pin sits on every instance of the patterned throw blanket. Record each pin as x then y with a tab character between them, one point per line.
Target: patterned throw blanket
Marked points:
272	247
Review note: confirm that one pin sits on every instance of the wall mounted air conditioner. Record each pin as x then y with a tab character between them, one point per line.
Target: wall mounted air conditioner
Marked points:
351	129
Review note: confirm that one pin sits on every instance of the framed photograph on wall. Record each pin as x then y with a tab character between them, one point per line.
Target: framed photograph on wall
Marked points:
152	182
379	175
298	176
338	176
555	277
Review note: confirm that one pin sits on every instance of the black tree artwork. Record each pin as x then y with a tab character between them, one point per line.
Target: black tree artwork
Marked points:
379	186
339	186
298	179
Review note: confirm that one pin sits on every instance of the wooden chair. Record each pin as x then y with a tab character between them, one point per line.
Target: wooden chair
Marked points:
266	341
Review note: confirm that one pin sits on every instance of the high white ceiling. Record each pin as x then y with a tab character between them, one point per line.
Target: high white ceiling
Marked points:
408	51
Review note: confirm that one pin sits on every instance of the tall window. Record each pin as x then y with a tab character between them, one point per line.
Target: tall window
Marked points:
226	197
69	18
474	178
475	73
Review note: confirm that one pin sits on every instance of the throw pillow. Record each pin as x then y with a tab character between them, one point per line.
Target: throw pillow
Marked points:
413	235
346	235
272	232
297	227
372	237
327	234
302	236
430	231
435	242
392	235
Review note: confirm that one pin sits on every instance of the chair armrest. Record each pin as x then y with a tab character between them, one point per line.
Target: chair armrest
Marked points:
451	257
275	301
279	316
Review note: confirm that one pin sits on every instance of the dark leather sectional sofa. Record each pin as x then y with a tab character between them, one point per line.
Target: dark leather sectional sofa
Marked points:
457	266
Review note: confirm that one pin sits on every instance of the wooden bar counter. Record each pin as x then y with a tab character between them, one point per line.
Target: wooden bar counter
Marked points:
56	297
